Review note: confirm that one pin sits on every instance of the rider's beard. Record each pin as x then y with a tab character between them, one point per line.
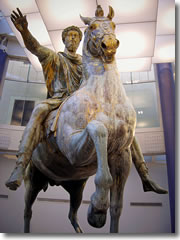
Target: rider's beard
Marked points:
72	46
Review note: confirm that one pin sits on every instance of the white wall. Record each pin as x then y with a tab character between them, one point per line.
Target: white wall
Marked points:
51	217
14	49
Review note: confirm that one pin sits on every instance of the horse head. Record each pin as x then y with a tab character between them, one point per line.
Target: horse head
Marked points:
100	35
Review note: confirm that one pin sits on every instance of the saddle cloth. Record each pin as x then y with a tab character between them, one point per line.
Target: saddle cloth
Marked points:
52	119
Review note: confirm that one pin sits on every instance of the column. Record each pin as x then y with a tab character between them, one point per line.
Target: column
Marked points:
3	56
167	97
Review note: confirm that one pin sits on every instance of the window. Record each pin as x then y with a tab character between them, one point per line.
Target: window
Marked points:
22	112
138	77
144	99
22	71
17	70
142	91
148	159
160	159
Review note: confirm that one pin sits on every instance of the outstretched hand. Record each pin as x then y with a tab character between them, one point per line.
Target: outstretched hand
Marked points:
19	21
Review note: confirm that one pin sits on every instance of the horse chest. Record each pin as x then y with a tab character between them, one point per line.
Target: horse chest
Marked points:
120	123
113	116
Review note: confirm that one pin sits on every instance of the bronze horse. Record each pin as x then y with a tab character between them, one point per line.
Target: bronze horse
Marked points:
95	134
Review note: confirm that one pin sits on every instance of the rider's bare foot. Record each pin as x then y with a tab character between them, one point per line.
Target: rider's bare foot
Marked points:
16	178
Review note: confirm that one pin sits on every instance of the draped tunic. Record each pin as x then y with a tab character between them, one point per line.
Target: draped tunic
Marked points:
62	73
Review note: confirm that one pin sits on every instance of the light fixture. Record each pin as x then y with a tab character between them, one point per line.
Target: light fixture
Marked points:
166	17
134	64
164	49
140	112
135	21
28	6
36	27
131	11
136	40
62	14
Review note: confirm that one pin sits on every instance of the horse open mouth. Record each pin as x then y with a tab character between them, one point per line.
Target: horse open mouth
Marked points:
108	48
108	58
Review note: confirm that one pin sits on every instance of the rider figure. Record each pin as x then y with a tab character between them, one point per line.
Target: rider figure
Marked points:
62	73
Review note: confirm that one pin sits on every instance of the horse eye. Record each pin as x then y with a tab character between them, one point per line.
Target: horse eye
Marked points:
93	26
113	25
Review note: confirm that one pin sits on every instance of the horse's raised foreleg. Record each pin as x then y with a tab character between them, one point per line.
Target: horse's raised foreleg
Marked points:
34	183
103	180
75	189
82	146
120	168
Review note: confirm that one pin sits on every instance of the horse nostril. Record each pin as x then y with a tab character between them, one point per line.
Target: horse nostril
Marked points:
103	45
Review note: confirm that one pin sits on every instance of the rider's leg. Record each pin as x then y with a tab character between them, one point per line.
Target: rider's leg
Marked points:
138	160
30	139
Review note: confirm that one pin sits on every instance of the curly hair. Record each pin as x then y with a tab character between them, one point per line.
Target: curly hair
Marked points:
73	28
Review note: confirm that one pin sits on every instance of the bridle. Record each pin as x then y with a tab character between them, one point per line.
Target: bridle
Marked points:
94	46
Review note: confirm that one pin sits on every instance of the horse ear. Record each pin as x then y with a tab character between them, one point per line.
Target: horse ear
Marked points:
86	20
111	13
99	12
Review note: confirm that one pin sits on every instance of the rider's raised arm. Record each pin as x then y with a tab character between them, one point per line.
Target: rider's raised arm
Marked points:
21	24
35	47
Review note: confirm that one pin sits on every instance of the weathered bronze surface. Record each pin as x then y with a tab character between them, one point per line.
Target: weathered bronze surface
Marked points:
95	129
62	73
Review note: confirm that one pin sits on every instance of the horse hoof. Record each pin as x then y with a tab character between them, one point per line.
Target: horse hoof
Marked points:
96	218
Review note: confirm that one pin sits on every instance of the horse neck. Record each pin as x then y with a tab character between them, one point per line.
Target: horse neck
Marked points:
101	78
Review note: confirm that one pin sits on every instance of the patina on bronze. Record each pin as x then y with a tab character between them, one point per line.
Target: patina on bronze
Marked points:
95	129
62	73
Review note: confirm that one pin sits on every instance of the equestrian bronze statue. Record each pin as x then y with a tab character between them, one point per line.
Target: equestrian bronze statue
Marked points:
87	127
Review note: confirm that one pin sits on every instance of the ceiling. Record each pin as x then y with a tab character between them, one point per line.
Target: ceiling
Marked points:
145	28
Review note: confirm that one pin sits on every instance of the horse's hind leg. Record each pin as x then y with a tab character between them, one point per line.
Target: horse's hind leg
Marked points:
75	189
34	183
120	168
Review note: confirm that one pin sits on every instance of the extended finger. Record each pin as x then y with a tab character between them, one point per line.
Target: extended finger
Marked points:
20	13
13	17
12	20
15	14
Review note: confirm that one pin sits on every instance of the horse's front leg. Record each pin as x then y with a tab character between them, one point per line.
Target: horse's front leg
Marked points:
103	180
82	145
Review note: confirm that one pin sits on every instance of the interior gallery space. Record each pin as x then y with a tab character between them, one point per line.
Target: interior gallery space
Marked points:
145	60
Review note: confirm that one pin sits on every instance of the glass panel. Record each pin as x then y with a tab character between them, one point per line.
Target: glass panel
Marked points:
28	108
144	99
17	70
151	74
148	158
160	158
135	77
17	112
143	77
140	77
125	77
